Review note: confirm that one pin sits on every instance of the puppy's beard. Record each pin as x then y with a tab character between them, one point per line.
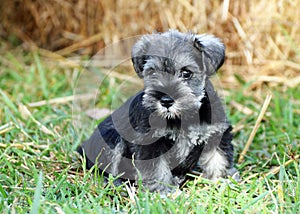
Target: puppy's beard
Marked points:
168	113
181	107
186	104
155	106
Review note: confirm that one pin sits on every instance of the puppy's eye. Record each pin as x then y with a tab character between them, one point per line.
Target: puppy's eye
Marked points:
186	74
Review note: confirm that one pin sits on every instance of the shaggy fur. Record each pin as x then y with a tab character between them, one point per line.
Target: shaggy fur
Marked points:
175	123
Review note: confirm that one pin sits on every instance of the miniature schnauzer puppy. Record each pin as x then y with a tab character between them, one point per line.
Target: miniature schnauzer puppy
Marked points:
177	122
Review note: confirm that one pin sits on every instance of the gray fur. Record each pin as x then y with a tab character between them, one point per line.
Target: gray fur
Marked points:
176	121
179	47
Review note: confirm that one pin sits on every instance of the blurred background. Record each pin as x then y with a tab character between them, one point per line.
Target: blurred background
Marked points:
262	37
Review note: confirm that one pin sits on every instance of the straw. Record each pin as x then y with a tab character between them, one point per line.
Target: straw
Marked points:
255	128
256	44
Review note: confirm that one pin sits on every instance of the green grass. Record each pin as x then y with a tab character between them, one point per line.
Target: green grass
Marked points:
40	172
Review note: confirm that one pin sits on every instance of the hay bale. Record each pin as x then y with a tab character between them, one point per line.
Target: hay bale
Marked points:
261	36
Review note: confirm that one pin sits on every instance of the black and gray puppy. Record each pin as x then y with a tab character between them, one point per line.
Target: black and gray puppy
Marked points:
175	123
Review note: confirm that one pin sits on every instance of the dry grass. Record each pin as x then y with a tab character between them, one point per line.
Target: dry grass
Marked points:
262	37
255	128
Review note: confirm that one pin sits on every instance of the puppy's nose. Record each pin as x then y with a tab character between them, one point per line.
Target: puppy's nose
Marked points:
166	101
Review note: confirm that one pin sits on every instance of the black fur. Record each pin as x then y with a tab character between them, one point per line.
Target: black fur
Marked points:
144	139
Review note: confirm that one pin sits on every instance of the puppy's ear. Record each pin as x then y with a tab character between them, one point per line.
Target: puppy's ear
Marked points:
139	54
212	50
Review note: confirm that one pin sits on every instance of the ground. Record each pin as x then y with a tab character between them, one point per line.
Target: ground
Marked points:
40	171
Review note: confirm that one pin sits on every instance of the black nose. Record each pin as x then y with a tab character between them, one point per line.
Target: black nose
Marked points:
166	101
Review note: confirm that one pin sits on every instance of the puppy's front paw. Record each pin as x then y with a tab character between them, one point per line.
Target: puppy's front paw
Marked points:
214	177
234	174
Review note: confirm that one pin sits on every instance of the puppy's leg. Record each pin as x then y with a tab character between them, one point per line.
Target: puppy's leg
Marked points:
227	149
217	160
214	164
157	176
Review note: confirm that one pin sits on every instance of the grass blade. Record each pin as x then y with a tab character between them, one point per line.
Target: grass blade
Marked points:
260	197
37	196
8	102
42	76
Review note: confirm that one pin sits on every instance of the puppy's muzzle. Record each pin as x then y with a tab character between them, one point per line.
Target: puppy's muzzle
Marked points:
166	101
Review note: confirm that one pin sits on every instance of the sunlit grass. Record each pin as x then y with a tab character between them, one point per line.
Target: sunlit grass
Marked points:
40	171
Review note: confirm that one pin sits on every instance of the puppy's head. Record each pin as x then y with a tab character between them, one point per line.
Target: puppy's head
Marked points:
175	67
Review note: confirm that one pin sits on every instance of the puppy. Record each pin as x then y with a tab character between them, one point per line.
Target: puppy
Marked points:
177	122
